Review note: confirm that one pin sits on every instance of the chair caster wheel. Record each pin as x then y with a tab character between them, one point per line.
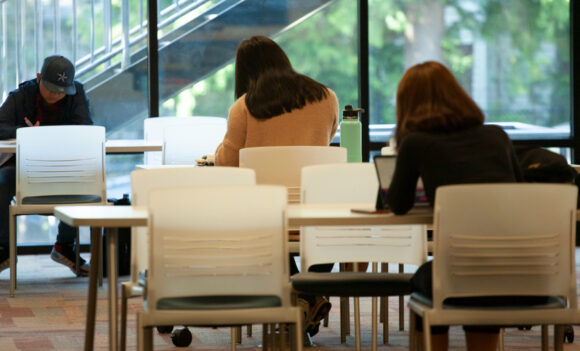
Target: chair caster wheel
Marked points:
181	337
568	334
164	329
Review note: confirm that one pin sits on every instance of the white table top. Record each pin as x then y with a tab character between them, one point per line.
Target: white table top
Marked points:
102	216
341	214
111	146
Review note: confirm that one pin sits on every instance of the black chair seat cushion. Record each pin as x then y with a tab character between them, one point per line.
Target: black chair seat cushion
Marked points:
497	302
60	199
218	302
352	284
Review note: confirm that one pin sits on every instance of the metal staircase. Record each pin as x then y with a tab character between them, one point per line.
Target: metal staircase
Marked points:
196	38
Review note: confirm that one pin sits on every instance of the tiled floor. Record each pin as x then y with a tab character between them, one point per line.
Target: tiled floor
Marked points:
48	313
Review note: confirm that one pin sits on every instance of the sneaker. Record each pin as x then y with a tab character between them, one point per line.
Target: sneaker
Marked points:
318	312
4	258
65	254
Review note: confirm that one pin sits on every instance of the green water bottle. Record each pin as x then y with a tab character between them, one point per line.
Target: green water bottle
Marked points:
350	133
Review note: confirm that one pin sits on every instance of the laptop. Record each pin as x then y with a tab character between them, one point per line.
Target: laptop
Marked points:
385	167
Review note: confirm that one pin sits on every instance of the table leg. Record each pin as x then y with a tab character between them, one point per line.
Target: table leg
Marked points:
92	299
112	266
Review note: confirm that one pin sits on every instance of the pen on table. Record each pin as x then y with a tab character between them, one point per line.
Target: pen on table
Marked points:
28	123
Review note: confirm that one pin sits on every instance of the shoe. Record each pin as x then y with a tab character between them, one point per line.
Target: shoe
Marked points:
318	312
4	258
64	254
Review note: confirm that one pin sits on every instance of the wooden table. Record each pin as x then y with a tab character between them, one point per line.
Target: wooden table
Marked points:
116	146
111	218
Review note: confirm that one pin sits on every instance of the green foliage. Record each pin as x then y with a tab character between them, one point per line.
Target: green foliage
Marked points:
526	56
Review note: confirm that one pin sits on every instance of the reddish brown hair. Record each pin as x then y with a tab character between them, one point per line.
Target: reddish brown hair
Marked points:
430	99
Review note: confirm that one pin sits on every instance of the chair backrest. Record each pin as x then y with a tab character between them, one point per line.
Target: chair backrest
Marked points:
504	240
357	184
184	138
145	180
282	165
228	240
339	183
60	164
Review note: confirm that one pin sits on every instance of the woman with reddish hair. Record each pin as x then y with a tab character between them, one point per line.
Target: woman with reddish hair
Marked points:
441	138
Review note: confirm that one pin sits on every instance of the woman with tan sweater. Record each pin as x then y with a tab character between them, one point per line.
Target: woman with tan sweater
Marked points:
275	106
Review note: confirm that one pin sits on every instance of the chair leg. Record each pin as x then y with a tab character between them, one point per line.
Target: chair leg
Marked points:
401	303
282	327
501	343
234	338
238	334
249	330
12	251
374	324
558	337
544	338
426	334
385	309
357	323
265	338
298	332
374	327
123	332
344	319
144	335
325	324
344	313
412	332
77	252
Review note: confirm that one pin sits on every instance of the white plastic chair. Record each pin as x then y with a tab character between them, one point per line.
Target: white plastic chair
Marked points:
184	138
282	165
142	182
55	166
502	240
218	256
377	245
355	184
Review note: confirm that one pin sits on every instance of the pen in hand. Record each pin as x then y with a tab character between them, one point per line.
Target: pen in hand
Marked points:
28	123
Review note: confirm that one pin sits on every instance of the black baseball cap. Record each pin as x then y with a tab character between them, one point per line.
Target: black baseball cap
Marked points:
58	74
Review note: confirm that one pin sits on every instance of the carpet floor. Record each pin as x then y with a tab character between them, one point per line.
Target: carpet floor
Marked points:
48	313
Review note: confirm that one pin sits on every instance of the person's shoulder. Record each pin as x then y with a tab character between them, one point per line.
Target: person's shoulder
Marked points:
239	106
494	130
28	85
79	85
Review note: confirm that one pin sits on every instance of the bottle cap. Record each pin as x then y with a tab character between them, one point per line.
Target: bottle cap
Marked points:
350	112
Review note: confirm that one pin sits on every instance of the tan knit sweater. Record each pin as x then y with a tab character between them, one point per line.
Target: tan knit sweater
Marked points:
314	124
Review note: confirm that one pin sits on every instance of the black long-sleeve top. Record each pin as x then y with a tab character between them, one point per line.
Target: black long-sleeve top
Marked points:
483	154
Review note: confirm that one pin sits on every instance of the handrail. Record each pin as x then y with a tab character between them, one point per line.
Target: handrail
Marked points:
118	40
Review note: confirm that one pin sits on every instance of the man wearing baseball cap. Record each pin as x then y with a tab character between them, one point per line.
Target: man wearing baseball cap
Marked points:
52	98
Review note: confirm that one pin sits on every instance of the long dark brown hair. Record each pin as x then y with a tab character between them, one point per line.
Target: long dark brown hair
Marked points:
430	99
264	73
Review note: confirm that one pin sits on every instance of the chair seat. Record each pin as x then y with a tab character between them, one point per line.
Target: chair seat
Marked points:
352	284
60	199
497	302
218	302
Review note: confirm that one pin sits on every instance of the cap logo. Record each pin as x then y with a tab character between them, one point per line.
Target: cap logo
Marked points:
61	77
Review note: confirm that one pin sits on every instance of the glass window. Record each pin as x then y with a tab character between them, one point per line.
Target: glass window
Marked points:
320	44
512	57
